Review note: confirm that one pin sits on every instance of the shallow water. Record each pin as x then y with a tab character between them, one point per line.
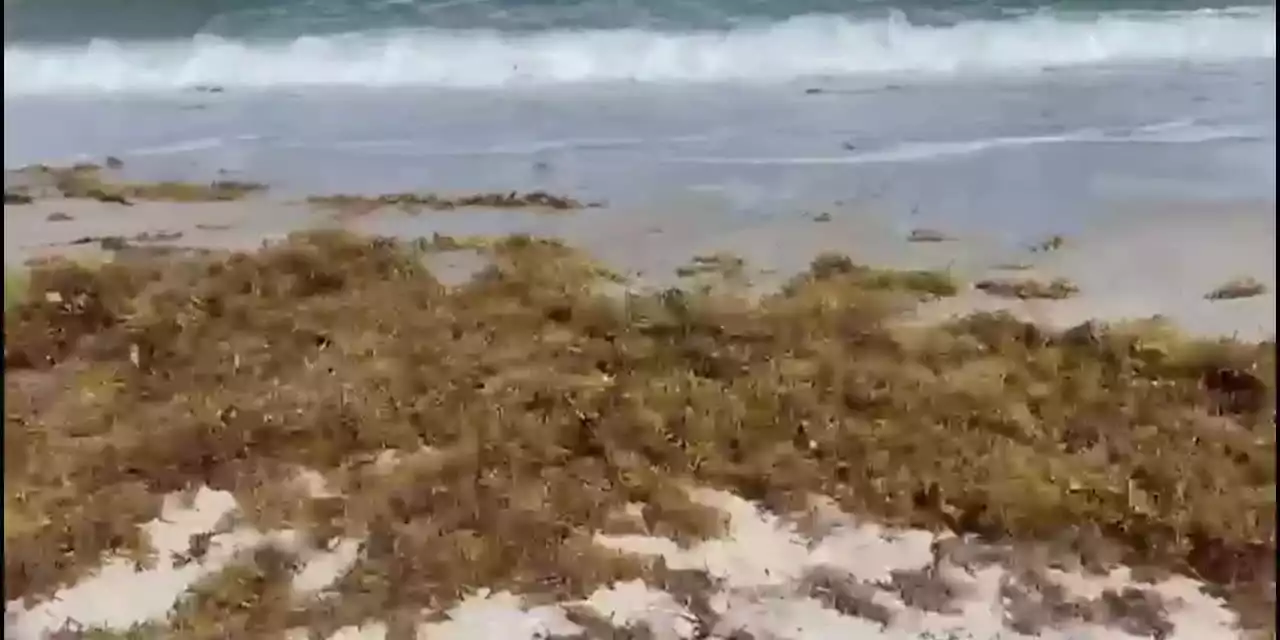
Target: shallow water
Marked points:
1024	116
1025	153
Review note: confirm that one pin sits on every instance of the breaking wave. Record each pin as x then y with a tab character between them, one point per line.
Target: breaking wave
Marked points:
821	45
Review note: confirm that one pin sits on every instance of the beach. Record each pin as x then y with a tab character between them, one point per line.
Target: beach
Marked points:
815	568
1139	262
528	320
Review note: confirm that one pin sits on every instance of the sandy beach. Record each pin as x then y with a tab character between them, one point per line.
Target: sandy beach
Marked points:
1147	260
655	319
222	535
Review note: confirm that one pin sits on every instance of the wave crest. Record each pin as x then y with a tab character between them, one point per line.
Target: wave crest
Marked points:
795	48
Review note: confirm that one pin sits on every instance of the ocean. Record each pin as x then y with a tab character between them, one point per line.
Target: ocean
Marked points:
1015	115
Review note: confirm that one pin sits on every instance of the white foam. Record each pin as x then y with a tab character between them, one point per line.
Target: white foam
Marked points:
189	145
1175	132
799	47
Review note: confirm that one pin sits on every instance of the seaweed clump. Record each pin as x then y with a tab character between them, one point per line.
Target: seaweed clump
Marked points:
1236	288
91	181
348	205
1029	288
518	413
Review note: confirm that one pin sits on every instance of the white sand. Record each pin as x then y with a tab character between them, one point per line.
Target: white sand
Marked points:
759	567
119	595
1158	265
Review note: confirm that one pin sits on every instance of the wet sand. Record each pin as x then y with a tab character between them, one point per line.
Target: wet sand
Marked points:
1152	260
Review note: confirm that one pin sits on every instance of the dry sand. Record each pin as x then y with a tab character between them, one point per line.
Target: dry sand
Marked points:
1149	261
1143	266
764	567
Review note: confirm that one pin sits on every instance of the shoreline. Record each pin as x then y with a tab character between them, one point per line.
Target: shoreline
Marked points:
808	557
1151	261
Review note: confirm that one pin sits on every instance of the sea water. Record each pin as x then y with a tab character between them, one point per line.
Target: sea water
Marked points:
1006	113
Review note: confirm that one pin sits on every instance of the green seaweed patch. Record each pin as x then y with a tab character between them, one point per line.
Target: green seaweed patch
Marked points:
837	268
142	631
121	243
1052	243
15	286
1236	288
15	197
249	597
723	264
126	193
1011	266
520	252
442	243
1028	288
87	181
355	205
928	235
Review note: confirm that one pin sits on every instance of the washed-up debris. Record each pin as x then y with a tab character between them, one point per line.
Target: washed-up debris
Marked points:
1236	288
347	204
927	235
1029	288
